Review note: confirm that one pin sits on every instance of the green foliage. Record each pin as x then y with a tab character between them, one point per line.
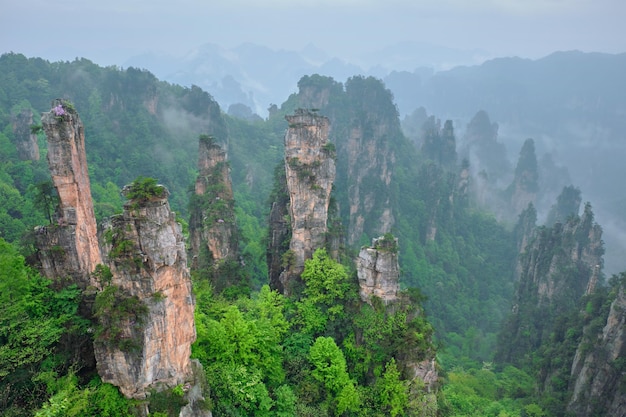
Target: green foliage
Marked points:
103	275
96	399
487	393
388	243
120	318
329	368
144	189
327	290
33	317
167	402
46	198
36	323
394	394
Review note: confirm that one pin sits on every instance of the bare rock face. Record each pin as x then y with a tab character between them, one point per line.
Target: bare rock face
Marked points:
378	270
310	172
366	159
597	373
70	247
150	345
212	225
25	140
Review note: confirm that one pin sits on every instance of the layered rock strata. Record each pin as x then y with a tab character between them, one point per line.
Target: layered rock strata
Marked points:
378	270
310	172
151	346
70	247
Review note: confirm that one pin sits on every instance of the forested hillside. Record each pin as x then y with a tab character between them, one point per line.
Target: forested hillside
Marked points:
320	350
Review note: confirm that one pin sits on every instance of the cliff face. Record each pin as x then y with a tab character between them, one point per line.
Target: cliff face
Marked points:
25	140
310	172
557	267
212	225
364	124
150	346
378	270
523	190
70	247
598	386
368	164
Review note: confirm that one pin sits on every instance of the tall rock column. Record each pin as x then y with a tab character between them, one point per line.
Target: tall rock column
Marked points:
145	311
212	227
24	138
310	172
70	247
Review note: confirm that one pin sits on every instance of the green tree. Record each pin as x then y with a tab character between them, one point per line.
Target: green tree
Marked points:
394	395
327	289
329	368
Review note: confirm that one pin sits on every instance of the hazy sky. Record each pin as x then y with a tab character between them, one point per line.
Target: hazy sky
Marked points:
110	31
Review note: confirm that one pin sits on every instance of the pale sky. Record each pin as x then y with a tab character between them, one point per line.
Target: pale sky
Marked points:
110	31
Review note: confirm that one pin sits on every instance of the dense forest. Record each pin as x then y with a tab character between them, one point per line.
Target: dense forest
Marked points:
474	263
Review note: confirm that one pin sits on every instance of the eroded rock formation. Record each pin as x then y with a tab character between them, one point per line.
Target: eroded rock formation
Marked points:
212	225
69	248
378	270
598	386
25	139
523	191
557	267
149	346
310	172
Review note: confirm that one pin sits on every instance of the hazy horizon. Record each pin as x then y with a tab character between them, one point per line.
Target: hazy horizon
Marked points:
111	33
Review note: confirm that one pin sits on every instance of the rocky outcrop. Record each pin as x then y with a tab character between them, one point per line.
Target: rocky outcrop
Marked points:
144	304
557	267
69	248
310	172
378	270
365	125
440	143
212	227
146	344
482	149
598	386
24	138
567	204
523	191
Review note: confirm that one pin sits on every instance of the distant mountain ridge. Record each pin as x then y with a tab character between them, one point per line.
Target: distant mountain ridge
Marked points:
256	75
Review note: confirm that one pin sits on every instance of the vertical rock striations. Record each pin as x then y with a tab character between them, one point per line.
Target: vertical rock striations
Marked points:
366	130
212	227
310	172
557	267
145	313
70	247
598	386
24	138
378	270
